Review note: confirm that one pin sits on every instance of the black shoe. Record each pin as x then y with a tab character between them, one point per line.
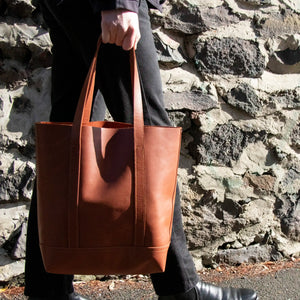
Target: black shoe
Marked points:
206	291
71	296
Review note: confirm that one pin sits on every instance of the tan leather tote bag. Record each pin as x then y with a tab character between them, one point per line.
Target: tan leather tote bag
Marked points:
106	190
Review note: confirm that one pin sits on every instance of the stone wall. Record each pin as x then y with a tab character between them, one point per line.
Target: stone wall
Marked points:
231	76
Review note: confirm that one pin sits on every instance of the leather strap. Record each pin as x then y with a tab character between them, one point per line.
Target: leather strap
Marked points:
82	115
139	154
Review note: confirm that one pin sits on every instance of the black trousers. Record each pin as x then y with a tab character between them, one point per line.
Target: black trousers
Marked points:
74	30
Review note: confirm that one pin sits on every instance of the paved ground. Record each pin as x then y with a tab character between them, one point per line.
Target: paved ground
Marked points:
271	281
282	285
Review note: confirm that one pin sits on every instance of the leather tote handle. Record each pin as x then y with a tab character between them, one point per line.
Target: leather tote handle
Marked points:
82	115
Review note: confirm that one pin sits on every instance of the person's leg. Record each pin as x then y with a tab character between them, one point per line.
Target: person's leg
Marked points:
180	274
37	281
68	72
113	80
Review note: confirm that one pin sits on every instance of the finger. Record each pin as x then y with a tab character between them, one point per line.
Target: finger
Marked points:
105	35
120	36
113	34
129	39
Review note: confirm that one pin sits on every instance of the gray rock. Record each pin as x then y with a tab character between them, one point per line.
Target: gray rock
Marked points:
8	267
12	217
279	24
193	101
251	254
285	62
181	18
26	42
20	8
230	206
256	2
290	226
15	185
167	56
287	208
218	16
21	105
229	56
19	248
244	97
222	146
11	74
285	99
191	19
295	137
180	119
208	222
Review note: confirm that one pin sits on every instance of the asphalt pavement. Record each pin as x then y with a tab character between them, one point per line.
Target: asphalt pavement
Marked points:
280	285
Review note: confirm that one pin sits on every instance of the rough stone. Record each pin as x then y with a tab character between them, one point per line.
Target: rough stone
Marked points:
285	99
271	124
245	98
261	183
273	83
256	2
251	254
284	23
14	185
256	158
192	19
20	8
24	42
229	56
291	181
223	222
8	267
181	18
12	216
292	4
180	119
209	120
213	18
201	3
211	178
295	137
223	145
287	208
185	79
285	61
169	52
194	101
18	251
12	73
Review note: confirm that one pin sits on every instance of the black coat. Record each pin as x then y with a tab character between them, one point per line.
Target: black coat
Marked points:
132	5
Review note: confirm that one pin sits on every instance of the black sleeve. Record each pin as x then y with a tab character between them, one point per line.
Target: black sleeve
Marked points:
98	5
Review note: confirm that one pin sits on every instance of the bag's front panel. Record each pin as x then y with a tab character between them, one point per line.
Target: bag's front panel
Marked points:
53	148
162	148
106	211
107	260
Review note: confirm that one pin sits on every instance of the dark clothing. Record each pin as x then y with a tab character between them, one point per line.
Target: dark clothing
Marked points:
74	30
133	5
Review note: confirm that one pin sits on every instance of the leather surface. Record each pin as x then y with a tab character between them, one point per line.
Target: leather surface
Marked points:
106	190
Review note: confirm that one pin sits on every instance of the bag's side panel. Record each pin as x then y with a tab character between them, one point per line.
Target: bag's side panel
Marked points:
53	147
106	211
162	149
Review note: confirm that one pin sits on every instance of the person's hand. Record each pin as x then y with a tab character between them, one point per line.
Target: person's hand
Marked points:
120	27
